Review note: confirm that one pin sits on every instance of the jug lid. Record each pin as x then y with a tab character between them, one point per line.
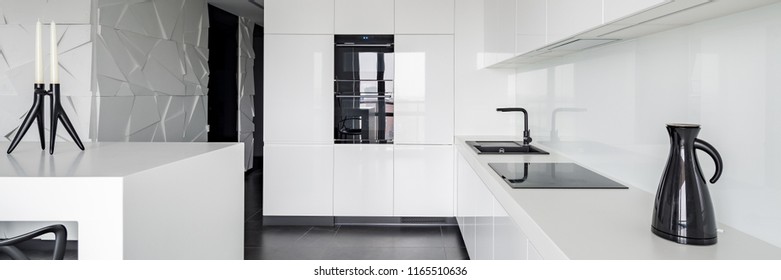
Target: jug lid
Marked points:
684	125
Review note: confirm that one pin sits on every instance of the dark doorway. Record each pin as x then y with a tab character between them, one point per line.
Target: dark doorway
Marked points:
223	67
257	46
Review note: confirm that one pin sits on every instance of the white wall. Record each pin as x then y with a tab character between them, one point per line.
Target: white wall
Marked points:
17	41
723	74
479	91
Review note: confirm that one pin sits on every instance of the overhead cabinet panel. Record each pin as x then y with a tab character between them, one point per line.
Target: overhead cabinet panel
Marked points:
569	17
530	25
498	30
616	9
424	17
364	17
299	17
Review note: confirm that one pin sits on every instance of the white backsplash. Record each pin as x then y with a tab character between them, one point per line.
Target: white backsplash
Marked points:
724	74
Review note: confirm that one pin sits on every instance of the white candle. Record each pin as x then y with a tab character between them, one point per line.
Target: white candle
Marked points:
38	54
55	65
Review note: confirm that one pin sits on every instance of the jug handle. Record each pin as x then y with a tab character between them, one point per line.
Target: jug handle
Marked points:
711	151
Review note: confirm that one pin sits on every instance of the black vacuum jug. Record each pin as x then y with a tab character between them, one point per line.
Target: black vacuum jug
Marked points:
683	211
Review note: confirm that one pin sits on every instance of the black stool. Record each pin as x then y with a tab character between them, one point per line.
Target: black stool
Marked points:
60	239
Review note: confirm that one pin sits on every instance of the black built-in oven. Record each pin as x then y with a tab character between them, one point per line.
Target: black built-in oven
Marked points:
363	89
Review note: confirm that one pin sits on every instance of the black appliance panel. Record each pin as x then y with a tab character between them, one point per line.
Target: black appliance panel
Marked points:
550	175
363	89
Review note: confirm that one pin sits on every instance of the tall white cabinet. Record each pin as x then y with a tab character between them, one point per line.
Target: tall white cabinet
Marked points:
424	109
305	173
298	108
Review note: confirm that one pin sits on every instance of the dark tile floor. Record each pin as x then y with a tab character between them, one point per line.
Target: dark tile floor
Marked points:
342	242
352	242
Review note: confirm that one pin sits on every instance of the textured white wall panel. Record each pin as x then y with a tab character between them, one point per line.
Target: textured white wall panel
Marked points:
152	70
246	80
17	30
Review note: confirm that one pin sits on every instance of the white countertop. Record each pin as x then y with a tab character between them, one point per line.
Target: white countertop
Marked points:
597	223
105	159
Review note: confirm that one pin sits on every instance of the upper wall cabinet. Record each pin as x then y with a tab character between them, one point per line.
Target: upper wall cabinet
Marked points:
499	30
424	17
298	89
569	17
364	16
424	89
615	9
299	17
530	25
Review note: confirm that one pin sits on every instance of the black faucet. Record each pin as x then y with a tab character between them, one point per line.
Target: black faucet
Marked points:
526	138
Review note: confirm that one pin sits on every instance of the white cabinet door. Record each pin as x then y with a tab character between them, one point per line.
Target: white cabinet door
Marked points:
499	30
423	180
424	17
484	223
298	89
363	180
569	17
530	25
299	17
297	180
466	185
364	17
424	89
616	9
509	241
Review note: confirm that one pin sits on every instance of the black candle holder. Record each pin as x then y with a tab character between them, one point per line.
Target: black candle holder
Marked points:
36	114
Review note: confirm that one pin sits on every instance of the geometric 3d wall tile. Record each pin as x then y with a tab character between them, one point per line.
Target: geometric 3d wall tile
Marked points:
152	67
246	85
17	27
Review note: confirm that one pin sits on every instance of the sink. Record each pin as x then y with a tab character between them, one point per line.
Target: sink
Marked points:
504	147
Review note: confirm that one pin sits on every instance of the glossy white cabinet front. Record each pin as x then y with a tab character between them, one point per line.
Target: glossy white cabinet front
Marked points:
424	17
488	231
363	180
569	17
297	180
424	89
467	183
509	241
364	16
299	17
530	25
423	180
298	89
615	9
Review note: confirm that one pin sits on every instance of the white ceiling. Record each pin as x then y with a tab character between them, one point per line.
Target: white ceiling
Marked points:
243	8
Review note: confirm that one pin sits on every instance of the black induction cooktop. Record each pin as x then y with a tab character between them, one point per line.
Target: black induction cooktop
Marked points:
550	175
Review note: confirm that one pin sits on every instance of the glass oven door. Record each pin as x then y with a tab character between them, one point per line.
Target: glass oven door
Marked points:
363	118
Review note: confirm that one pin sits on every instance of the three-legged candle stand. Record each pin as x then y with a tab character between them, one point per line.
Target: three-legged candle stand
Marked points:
36	114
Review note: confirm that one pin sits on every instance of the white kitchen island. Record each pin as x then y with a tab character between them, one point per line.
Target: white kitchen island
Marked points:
131	200
499	222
